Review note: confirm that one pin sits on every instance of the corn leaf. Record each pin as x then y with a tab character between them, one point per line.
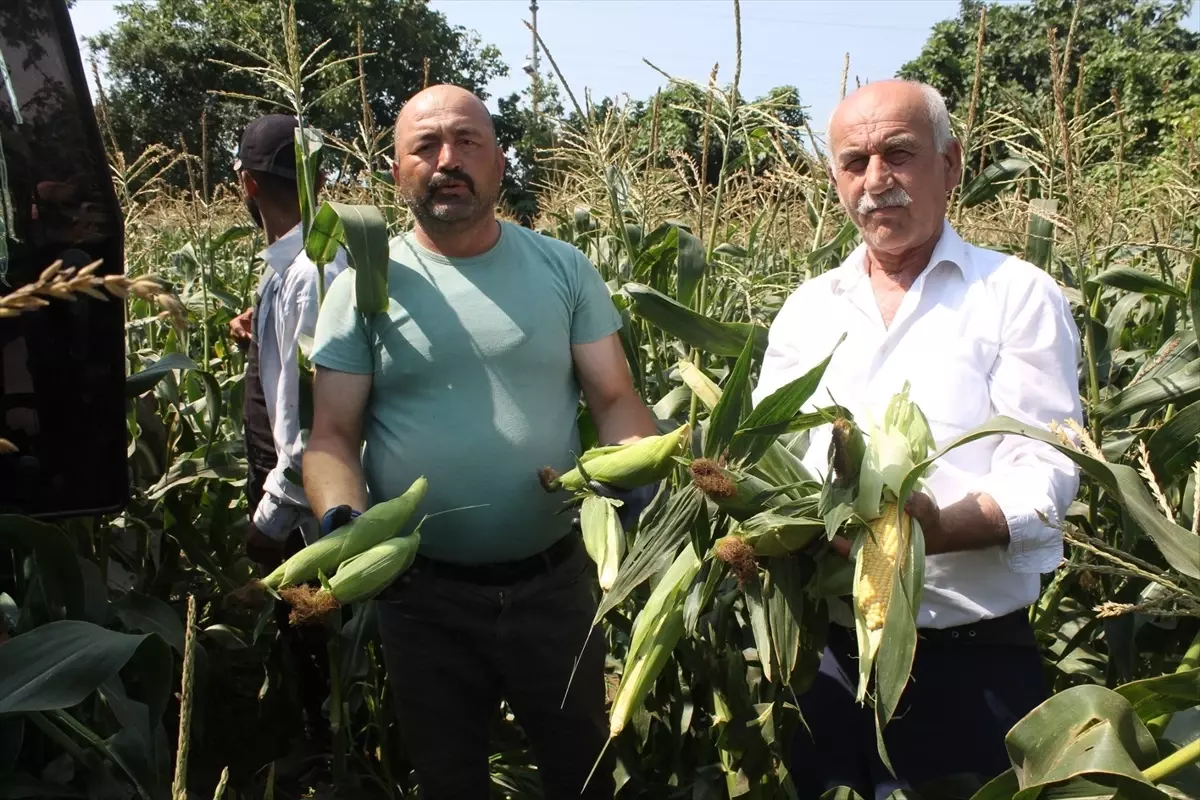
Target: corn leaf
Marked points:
757	611
656	545
309	145
1039	241
60	664
996	177
733	406
1174	447
690	263
1132	279
57	563
1193	281
141	382
1084	731
1180	547
707	334
780	412
1180	386
362	230
1165	694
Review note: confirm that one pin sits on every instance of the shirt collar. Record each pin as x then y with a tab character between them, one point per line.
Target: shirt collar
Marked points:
950	249
280	254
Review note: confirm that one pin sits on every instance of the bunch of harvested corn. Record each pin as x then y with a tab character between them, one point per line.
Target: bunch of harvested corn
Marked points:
354	563
377	524
358	578
624	466
603	537
656	630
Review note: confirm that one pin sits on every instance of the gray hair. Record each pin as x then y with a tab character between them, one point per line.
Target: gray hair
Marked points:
935	111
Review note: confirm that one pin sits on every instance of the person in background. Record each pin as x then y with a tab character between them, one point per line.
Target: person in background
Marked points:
976	333
473	378
285	309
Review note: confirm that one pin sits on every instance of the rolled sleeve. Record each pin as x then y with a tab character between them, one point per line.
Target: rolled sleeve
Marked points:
1035	381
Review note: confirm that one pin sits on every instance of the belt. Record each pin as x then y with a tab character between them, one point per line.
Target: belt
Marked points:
1012	628
503	573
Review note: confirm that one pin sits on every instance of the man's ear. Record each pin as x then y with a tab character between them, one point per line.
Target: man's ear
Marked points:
249	185
954	159
396	172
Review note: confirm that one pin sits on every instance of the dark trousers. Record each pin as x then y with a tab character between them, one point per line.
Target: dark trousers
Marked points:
968	687
455	648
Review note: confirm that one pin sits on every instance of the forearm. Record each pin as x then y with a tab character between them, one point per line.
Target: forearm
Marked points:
973	523
333	475
623	420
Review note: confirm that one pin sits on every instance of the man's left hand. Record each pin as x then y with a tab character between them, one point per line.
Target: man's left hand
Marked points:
633	501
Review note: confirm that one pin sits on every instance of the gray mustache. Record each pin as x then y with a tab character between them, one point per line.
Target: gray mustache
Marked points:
894	197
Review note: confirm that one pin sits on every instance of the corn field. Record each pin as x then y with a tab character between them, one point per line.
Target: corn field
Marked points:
128	668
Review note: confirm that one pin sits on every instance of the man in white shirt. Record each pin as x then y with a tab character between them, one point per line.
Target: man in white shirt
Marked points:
976	333
281	521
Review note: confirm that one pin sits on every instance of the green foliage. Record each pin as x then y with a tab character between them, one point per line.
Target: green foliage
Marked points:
162	63
1138	49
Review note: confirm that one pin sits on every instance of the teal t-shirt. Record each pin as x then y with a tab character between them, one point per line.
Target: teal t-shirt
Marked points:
474	385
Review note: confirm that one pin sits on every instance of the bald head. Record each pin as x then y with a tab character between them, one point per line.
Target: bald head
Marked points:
442	99
907	96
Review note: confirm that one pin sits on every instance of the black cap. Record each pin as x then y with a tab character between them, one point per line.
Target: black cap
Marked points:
268	145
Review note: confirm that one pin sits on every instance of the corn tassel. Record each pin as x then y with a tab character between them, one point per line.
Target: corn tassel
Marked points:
377	524
645	461
603	537
656	630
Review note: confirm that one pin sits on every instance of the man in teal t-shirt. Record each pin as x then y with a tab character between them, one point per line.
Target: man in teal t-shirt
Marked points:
473	378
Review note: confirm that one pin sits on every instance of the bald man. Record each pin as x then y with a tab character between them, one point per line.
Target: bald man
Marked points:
473	379
976	333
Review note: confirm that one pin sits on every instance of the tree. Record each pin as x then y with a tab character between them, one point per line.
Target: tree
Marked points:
162	66
1137	48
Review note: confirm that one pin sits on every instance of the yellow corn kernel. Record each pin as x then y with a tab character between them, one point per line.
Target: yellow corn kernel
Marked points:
879	554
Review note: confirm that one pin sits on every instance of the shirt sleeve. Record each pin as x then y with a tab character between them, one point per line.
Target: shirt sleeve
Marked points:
342	341
1035	381
593	316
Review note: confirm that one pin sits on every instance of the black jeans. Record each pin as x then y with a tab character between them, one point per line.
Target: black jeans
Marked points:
454	649
968	687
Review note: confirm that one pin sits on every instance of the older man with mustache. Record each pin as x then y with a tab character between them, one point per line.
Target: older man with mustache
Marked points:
976	333
473	379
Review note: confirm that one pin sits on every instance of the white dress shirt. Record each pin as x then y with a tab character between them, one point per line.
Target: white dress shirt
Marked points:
287	310
978	334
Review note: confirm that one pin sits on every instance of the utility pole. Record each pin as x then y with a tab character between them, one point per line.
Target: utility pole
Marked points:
536	73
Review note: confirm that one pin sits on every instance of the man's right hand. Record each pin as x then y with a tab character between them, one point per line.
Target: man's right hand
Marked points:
241	327
336	517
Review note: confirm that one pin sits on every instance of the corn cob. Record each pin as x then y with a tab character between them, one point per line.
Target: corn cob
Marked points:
877	564
603	537
656	630
636	464
377	524
358	578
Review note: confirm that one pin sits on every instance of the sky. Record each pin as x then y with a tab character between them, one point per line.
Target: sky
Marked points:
600	44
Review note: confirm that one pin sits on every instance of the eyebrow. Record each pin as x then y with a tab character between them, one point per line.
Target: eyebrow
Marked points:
890	143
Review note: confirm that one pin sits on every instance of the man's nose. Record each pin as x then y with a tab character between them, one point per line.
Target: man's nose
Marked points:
448	157
879	175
